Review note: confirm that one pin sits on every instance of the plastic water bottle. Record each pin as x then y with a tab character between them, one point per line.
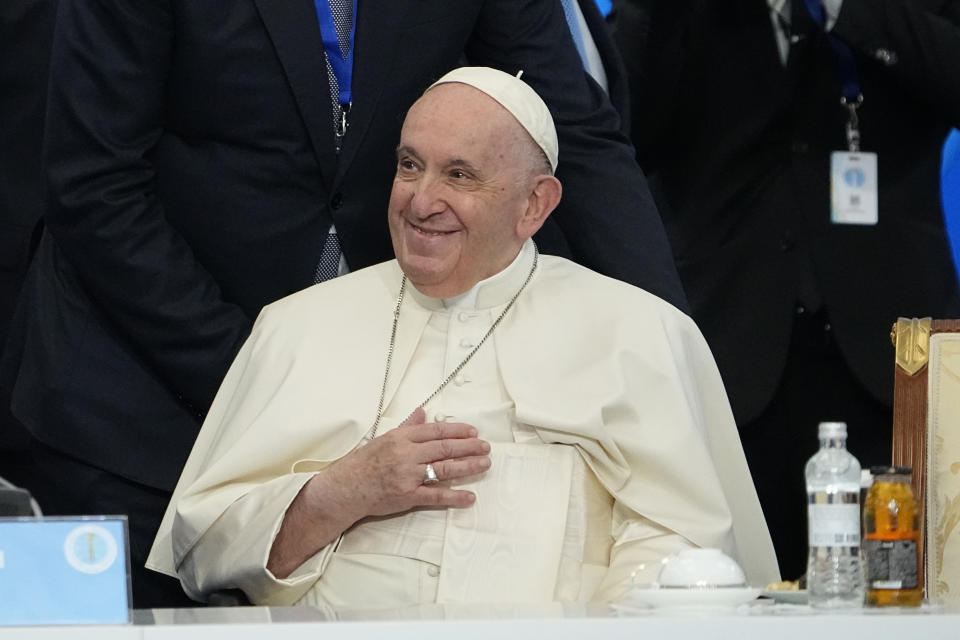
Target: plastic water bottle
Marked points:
834	566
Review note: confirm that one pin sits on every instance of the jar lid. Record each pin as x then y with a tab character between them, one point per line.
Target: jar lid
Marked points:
891	471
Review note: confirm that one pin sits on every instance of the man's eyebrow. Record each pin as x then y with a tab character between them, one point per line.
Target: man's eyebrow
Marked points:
403	149
456	162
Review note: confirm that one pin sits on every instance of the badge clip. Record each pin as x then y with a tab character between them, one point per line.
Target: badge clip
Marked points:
342	125
853	122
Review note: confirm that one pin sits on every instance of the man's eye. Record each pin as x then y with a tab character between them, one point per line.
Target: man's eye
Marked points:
457	174
406	164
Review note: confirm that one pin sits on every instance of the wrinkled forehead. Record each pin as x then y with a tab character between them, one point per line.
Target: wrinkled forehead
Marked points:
455	113
455	100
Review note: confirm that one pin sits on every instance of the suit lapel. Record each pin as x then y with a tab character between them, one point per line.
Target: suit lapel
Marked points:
376	39
295	33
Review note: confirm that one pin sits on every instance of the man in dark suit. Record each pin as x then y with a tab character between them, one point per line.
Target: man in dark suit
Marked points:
195	177
737	110
26	31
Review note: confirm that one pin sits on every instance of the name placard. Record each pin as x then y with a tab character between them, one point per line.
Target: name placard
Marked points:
64	571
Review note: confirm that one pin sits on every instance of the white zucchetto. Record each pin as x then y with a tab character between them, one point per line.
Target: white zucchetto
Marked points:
517	97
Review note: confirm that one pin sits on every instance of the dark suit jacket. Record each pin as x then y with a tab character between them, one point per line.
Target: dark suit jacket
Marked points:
194	178
26	32
740	146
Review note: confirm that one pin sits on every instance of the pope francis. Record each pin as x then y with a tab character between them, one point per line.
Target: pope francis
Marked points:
471	422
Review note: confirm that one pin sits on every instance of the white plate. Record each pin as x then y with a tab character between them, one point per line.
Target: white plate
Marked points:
786	597
724	597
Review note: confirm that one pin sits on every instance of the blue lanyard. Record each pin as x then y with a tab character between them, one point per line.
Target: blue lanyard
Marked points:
849	76
850	96
342	65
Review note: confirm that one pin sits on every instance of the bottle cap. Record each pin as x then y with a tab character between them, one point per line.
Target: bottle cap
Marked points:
829	430
866	478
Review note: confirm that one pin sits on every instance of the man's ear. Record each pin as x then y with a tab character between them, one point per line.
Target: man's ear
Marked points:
543	199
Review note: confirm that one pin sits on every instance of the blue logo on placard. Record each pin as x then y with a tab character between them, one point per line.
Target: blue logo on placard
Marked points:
854	177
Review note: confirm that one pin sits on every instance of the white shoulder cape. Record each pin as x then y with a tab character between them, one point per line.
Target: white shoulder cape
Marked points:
588	361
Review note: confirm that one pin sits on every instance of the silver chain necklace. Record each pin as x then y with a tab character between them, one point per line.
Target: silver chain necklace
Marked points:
372	433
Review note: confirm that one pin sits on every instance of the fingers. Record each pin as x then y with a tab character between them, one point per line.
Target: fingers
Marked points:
445	441
391	469
425	432
444	497
435	450
423	443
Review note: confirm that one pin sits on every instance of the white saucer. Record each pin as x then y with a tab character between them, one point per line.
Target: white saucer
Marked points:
721	597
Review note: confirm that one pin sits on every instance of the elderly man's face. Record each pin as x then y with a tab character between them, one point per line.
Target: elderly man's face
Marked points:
461	190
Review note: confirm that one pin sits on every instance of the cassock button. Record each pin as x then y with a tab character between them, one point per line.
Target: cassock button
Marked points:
466	344
433	571
440	417
460	380
463	316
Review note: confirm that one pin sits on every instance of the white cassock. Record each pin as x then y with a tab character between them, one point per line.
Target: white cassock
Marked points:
612	444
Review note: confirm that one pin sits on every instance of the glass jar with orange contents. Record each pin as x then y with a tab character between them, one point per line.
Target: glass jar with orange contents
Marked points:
891	526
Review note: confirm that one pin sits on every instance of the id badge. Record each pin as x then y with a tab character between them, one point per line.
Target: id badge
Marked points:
853	187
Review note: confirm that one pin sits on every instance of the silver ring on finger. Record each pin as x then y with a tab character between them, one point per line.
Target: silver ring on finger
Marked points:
430	475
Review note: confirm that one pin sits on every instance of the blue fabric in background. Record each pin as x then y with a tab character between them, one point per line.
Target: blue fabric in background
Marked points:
950	192
605	6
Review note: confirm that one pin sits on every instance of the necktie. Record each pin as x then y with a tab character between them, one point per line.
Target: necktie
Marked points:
329	265
570	10
816	11
590	56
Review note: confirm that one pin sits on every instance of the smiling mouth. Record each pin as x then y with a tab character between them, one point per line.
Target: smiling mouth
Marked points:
431	232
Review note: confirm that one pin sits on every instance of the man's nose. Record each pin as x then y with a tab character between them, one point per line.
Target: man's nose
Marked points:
427	198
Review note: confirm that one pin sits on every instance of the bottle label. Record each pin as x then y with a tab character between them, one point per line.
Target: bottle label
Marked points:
834	525
891	564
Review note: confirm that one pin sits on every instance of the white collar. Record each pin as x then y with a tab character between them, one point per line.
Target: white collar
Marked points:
489	292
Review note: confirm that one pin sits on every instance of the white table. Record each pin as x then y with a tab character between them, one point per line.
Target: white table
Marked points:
556	622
